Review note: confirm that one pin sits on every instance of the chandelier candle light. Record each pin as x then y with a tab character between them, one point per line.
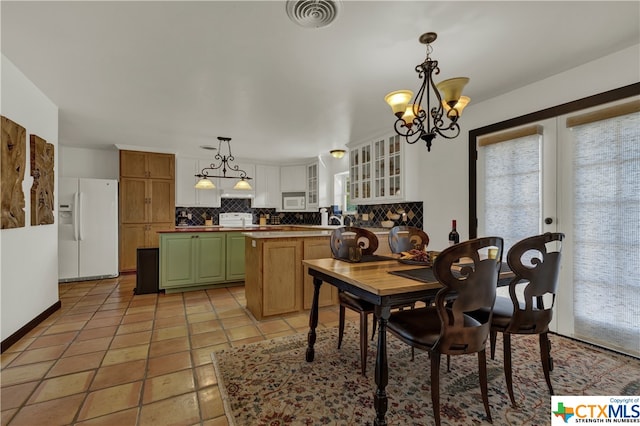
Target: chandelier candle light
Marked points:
413	123
225	164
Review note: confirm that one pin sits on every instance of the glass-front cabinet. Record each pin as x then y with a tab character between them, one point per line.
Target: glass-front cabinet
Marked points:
375	170
312	185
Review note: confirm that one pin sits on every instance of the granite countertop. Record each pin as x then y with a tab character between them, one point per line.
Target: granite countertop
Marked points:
287	234
270	231
218	228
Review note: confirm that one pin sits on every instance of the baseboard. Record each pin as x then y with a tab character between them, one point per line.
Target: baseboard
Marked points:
6	343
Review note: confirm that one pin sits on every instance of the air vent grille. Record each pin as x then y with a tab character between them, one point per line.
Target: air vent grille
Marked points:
313	13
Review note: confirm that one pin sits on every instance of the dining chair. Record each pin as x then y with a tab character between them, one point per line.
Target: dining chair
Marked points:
405	238
341	239
535	262
456	323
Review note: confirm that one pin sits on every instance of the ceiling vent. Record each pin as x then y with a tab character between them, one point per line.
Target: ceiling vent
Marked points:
313	13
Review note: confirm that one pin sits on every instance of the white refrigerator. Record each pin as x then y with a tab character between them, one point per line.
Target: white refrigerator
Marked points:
87	229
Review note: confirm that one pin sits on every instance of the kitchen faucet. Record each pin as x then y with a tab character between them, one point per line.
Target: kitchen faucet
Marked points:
338	218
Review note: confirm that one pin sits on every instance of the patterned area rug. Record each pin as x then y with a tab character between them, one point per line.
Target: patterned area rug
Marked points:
270	383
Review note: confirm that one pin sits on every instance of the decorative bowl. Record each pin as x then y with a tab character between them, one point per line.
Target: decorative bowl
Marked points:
387	224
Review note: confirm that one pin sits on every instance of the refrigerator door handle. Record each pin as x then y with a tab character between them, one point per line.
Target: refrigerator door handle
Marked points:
80	233
75	216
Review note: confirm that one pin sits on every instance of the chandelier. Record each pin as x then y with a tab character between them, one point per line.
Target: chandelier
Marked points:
225	164
413	122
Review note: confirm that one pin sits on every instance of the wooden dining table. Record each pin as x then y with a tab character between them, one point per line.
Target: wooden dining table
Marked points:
373	282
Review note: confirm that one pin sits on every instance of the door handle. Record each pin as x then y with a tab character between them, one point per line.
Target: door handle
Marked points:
548	220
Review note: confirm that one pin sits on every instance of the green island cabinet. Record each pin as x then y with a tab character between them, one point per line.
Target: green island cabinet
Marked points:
198	260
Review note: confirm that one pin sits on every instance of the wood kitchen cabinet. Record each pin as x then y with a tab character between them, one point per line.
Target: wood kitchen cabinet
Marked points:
136	235
276	282
273	276
317	248
146	202
139	164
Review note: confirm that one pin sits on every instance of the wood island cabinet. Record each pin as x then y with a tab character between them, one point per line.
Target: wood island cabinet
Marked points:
146	202
276	282
317	248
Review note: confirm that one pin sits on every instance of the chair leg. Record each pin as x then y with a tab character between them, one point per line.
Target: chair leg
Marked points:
545	356
482	371
341	326
506	339
448	363
375	325
363	342
492	340
435	386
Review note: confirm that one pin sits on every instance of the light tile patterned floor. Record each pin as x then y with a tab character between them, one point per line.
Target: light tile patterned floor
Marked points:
109	357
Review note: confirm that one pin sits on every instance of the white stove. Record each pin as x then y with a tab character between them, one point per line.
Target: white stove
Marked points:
235	220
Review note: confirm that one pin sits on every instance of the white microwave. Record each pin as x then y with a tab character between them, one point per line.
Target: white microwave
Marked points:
293	203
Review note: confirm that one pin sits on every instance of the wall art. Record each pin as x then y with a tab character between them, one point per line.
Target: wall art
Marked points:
12	165
42	156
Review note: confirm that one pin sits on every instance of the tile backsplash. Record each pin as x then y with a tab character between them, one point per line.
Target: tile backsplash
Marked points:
413	214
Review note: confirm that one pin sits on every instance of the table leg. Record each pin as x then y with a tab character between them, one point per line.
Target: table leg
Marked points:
313	319
382	371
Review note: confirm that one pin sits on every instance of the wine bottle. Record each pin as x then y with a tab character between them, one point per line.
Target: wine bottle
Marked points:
454	237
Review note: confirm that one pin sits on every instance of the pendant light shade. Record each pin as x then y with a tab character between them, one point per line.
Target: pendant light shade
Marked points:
242	184
204	183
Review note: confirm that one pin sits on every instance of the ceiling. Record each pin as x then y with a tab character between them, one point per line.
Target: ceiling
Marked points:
172	76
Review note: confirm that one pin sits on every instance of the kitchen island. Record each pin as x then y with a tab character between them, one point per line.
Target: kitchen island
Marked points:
276	282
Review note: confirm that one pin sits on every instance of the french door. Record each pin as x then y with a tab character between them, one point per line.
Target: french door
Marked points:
582	178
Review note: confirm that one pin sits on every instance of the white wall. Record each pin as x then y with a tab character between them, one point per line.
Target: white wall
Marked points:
29	261
445	190
89	163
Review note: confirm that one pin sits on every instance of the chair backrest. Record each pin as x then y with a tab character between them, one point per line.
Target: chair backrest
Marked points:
468	294
536	262
350	236
405	238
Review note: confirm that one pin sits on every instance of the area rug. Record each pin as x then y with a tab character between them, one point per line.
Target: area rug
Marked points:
270	383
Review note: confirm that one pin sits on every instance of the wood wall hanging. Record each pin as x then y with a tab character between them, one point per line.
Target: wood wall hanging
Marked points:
43	181
12	165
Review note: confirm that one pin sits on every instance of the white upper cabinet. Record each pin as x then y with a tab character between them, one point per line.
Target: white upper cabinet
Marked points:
267	187
317	186
186	194
293	178
377	171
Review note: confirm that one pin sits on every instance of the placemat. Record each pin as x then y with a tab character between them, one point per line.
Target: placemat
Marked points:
425	275
368	258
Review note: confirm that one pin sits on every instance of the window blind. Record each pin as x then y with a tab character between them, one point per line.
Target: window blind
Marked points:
513	191
606	243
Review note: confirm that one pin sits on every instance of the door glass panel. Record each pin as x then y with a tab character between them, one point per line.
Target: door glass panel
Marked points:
606	232
513	188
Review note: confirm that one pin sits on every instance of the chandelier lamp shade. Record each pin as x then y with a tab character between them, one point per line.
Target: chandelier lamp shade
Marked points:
220	171
444	105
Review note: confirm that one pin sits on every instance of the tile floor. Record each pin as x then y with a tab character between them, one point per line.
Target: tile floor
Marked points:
109	357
